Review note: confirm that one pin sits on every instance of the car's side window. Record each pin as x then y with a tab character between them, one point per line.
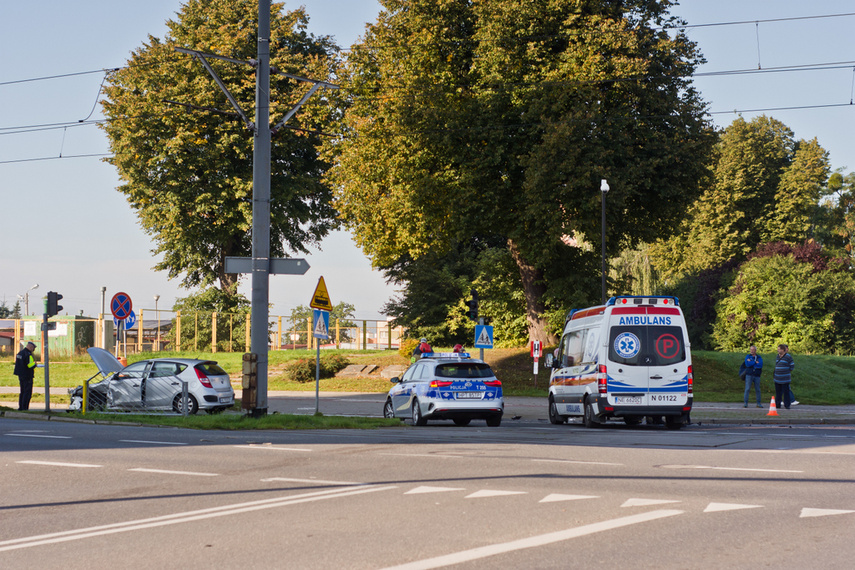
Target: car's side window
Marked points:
135	370
164	369
408	375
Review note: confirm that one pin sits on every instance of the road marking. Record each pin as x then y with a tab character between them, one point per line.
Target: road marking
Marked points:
58	464
577	462
730	468
532	542
554	497
318	481
189	516
822	512
490	493
167	472
646	502
36	435
716	507
151	442
271	447
426	489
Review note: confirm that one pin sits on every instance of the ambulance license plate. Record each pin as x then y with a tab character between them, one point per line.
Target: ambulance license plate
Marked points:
628	400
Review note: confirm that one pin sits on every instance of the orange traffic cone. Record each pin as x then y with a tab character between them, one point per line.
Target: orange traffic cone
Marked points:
773	409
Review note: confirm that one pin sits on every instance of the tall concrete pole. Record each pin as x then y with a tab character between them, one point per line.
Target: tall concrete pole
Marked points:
261	208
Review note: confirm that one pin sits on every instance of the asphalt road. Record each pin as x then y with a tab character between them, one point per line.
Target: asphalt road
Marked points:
524	495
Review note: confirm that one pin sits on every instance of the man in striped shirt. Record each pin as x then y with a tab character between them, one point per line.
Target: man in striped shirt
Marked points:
782	376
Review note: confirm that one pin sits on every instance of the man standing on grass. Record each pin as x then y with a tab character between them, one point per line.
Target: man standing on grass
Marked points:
783	375
25	368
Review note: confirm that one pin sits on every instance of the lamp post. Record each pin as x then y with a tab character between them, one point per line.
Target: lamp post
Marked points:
604	188
27	297
157	312
102	341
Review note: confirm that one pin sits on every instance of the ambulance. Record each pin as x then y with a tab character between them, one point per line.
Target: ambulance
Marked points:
628	359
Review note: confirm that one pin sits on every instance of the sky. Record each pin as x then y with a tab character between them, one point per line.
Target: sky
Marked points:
67	229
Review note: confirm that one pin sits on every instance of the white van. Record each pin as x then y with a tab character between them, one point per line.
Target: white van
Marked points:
629	359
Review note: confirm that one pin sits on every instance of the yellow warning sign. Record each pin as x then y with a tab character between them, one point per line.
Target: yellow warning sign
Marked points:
321	299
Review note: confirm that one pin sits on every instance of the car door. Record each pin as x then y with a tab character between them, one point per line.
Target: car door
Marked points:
125	388
162	384
402	393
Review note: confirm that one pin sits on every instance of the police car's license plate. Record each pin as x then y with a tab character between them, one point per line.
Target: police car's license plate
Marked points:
469	395
628	400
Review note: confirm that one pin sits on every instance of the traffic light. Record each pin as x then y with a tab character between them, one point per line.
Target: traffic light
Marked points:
473	305
52	300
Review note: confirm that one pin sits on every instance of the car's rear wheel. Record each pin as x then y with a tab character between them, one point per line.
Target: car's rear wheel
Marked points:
494	421
388	409
554	416
462	421
418	418
178	404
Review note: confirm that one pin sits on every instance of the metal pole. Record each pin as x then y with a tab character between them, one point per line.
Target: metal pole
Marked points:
261	208
604	187
318	379
46	354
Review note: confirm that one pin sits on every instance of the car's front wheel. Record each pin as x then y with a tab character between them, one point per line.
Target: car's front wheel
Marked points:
418	418
388	409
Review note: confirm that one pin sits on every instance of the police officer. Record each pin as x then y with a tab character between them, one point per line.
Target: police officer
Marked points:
25	367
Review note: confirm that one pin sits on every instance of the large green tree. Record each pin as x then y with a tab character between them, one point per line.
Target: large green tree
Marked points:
500	117
184	156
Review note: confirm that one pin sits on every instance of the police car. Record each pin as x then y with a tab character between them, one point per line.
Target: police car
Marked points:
446	386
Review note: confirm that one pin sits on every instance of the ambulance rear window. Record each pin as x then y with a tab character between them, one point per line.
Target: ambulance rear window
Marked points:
646	345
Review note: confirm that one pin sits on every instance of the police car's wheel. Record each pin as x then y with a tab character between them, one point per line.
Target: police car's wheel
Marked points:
554	416
388	409
418	418
462	421
590	419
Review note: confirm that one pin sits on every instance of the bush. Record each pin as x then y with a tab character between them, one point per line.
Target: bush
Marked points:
303	370
407	347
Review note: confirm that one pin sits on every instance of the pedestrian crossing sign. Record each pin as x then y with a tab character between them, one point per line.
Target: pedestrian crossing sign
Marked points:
322	324
483	336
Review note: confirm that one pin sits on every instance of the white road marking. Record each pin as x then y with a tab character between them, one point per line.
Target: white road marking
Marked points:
167	472
36	435
730	468
822	512
189	516
532	542
646	502
491	493
271	447
716	507
577	462
426	489
151	442
319	481
555	497
58	464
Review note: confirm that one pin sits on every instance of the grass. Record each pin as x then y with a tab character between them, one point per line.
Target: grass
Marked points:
817	379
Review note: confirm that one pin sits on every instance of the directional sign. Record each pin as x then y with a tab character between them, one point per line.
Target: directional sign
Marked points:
483	336
322	324
121	306
276	265
321	299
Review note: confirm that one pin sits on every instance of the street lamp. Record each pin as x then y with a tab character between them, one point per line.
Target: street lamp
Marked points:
604	188
157	312
27	297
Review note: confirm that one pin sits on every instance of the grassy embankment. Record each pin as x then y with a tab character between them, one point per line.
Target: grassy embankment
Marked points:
818	379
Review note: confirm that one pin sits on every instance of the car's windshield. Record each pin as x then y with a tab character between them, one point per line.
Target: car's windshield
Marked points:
464	370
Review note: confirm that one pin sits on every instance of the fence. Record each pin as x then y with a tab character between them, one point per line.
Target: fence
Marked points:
214	332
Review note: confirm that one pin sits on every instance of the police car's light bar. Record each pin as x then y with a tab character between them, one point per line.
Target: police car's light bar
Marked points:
445	355
644	300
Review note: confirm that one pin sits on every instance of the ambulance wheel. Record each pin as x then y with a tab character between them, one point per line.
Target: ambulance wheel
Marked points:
674	422
418	418
632	420
554	416
590	418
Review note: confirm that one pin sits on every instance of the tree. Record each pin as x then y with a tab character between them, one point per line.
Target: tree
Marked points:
196	320
186	160
500	117
5	311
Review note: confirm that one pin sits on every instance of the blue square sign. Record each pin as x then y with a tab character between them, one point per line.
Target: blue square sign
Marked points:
483	336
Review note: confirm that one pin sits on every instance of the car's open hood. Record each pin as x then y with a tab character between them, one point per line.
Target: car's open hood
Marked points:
106	362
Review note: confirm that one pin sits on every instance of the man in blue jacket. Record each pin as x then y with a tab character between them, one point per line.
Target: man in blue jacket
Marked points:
753	369
783	375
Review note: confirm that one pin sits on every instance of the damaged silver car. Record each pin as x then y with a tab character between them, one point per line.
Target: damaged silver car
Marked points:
159	384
